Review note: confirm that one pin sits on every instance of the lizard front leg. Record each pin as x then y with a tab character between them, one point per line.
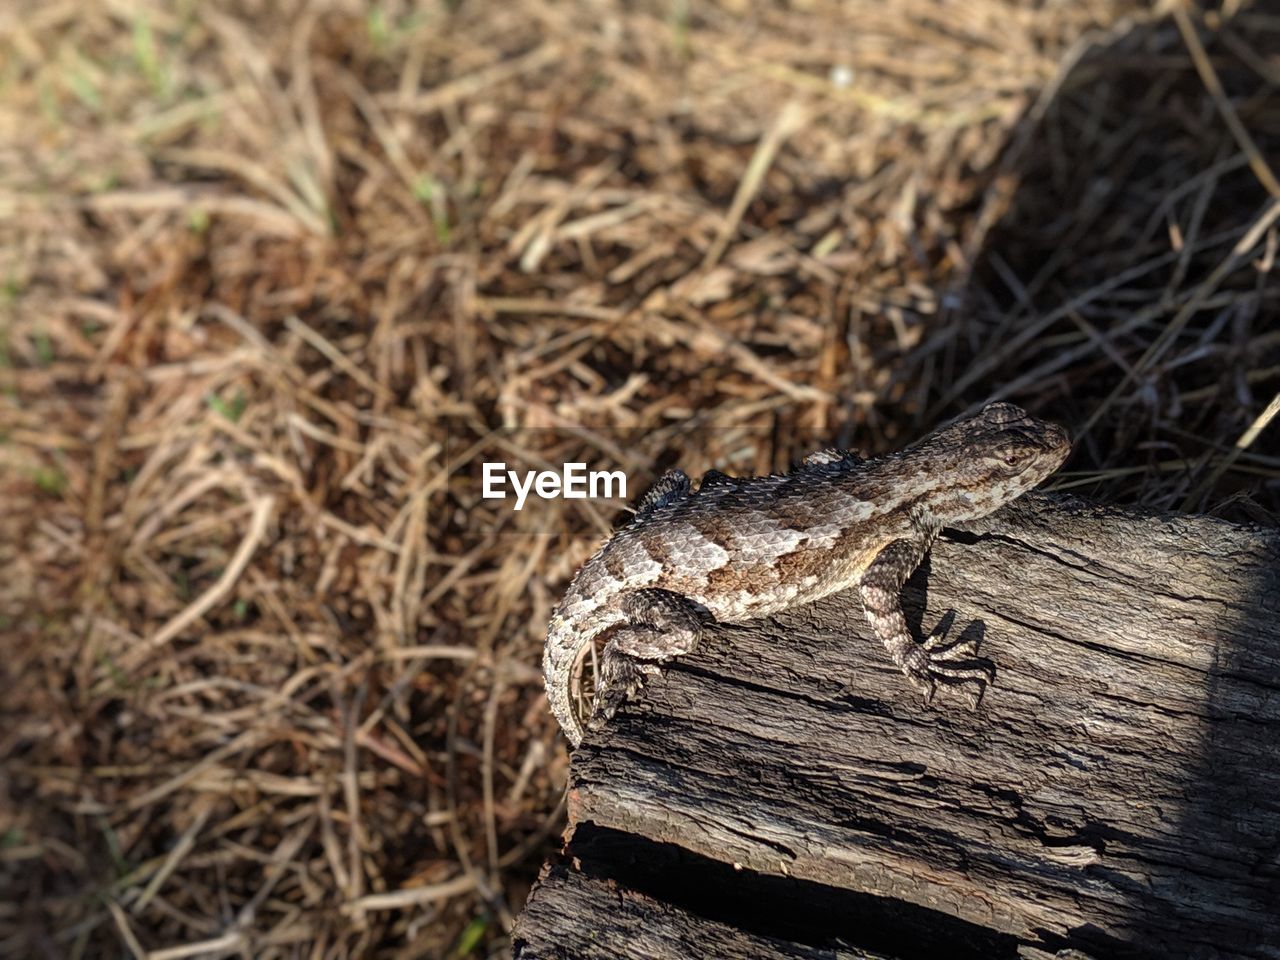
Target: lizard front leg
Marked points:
925	664
660	625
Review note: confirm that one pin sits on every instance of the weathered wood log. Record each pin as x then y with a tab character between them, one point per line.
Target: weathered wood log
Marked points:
1118	790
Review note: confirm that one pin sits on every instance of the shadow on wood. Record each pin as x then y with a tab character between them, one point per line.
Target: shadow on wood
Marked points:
1118	792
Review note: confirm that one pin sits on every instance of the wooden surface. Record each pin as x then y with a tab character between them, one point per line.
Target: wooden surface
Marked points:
576	913
626	924
1118	791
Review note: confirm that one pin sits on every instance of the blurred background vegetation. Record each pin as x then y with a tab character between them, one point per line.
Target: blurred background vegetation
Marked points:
273	276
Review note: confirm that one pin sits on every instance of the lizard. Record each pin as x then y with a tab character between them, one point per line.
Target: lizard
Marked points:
737	548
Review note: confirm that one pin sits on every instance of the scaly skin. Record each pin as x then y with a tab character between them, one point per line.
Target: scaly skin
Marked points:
739	548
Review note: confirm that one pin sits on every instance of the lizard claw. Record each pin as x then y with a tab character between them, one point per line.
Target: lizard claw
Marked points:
955	666
930	690
624	677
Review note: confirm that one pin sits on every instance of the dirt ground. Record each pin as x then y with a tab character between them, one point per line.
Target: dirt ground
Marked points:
275	278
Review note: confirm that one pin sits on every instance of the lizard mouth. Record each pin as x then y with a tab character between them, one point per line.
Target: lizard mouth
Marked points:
1053	447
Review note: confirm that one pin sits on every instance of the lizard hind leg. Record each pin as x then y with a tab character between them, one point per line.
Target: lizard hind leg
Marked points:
660	625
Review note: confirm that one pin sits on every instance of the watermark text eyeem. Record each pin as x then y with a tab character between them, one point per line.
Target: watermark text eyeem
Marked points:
573	482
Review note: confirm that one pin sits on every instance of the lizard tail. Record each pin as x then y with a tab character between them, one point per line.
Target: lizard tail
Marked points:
558	660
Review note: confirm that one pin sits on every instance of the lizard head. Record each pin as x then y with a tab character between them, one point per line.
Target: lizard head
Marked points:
995	457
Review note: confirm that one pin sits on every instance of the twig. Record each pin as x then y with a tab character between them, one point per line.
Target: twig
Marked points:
1209	76
1246	440
412	896
336	356
792	117
262	510
1174	327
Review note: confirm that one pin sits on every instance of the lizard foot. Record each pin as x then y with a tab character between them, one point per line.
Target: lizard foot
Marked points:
955	666
661	625
621	677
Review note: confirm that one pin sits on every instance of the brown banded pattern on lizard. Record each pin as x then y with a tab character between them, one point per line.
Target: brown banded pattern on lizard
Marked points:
738	548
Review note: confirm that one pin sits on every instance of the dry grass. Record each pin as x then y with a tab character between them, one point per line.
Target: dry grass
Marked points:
274	281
